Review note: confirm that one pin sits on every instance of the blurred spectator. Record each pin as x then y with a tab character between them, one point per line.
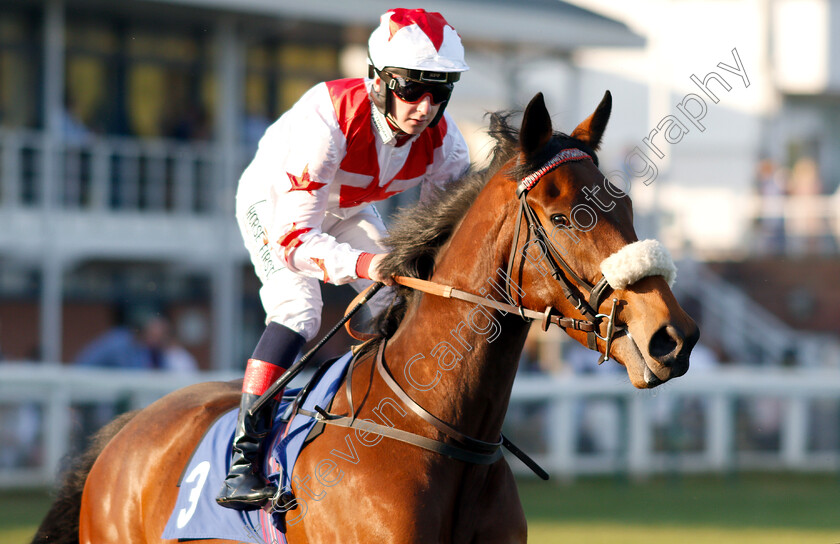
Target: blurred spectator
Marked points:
805	183
73	128
116	348
761	423
154	347
770	186
174	356
191	125
805	178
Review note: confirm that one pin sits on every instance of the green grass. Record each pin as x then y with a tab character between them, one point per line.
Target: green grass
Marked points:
20	513
742	509
767	508
569	533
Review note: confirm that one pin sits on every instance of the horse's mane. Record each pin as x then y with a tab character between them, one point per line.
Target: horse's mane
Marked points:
418	232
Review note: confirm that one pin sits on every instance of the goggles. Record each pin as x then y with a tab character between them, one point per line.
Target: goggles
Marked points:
414	91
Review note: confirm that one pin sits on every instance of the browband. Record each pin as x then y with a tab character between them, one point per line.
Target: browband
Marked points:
570	154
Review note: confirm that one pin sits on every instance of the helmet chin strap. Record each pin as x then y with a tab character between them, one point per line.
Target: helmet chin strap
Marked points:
392	123
382	101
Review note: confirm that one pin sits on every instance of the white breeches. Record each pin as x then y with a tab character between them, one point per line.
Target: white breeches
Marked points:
294	300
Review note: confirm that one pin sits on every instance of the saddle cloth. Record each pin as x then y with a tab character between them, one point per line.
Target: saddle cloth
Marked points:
196	515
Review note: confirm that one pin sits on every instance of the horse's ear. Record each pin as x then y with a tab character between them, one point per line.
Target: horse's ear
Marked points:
591	130
536	126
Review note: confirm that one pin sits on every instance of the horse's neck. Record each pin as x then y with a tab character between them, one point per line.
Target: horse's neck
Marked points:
458	359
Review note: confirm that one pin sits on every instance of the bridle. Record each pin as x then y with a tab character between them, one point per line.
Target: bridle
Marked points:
560	269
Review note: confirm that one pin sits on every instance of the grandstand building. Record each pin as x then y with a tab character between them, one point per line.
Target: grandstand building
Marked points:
124	127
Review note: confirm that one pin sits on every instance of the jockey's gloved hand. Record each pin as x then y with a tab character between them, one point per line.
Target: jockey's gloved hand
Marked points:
374	272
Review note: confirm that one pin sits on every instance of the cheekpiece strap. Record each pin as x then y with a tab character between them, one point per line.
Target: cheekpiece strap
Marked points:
566	155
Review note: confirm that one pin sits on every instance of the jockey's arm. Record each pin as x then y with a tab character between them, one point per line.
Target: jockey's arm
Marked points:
300	243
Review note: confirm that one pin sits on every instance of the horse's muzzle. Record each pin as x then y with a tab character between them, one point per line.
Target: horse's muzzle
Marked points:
671	346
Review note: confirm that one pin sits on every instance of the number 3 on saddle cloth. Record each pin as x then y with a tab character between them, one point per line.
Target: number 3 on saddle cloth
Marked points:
196	515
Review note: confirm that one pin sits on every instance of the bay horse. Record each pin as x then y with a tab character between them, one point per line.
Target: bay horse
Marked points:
510	234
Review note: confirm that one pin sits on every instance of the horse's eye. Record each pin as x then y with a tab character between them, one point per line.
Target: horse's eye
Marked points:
560	220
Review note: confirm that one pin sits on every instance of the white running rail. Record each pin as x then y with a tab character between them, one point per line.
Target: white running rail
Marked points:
705	421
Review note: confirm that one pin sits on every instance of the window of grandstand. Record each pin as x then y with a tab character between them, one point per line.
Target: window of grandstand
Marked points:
170	92
92	53
20	58
279	71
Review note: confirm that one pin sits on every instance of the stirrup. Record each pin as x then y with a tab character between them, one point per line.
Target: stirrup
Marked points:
244	503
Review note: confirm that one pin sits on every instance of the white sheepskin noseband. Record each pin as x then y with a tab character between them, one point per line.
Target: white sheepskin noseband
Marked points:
636	261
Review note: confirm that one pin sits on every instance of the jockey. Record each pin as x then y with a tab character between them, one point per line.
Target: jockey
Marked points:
304	204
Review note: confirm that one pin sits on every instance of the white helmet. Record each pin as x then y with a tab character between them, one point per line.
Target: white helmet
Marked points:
419	40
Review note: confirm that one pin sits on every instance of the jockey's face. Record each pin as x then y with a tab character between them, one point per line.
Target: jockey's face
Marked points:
412	117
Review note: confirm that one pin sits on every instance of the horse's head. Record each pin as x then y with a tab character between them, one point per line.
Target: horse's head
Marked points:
577	253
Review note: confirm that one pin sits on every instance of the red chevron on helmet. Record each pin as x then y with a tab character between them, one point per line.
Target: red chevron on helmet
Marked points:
416	40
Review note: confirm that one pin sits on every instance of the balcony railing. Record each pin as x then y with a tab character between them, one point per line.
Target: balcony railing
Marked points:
113	174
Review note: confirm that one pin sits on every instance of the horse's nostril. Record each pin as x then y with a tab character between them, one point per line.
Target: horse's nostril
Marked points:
664	342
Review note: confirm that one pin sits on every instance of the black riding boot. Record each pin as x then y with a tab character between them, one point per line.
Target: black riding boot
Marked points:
245	488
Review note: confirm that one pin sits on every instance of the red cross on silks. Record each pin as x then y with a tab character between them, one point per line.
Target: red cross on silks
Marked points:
356	196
